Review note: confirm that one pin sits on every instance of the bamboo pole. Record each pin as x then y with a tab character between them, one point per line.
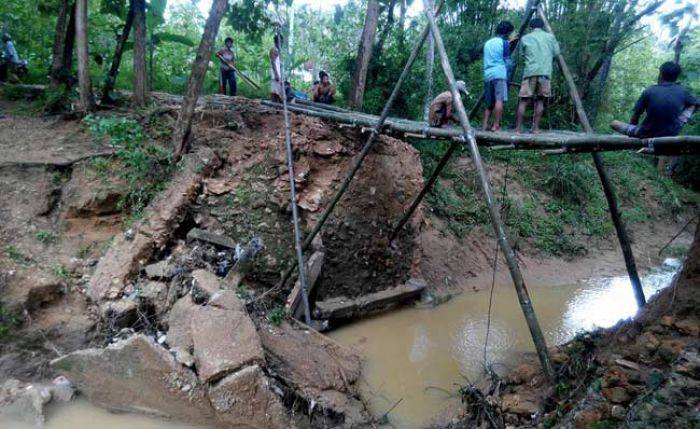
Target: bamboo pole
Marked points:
604	179
498	226
376	130
292	194
572	142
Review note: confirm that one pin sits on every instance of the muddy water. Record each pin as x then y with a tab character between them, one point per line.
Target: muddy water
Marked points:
418	356
82	415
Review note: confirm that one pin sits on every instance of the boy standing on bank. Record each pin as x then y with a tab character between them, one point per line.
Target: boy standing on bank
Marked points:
497	69
538	49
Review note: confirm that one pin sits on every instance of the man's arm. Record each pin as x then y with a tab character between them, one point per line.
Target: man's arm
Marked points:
556	50
273	57
639	108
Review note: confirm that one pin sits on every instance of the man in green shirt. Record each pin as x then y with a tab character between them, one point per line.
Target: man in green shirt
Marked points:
537	48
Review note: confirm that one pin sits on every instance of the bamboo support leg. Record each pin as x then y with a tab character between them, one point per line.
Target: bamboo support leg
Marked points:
608	189
498	226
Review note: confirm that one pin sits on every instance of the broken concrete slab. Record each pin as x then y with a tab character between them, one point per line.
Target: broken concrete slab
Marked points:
155	294
345	308
128	252
137	375
308	360
160	271
208	237
244	400
24	403
294	306
225	340
204	285
179	320
122	313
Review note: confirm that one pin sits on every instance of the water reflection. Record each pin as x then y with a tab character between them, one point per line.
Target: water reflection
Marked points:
418	354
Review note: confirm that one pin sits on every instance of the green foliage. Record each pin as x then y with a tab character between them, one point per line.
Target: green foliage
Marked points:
8	320
16	255
45	237
144	165
276	316
61	272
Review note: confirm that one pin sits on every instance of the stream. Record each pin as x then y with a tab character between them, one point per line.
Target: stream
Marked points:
416	358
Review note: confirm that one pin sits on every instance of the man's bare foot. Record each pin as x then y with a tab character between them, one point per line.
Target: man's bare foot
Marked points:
495	128
518	131
619	126
536	131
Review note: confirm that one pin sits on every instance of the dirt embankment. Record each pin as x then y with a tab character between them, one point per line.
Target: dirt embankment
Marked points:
640	373
76	276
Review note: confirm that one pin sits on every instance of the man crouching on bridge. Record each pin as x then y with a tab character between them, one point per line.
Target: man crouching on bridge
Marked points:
442	109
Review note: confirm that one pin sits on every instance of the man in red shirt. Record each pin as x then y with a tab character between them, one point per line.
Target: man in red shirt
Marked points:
226	69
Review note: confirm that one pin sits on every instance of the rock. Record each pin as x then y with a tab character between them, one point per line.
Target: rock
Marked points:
586	419
225	340
137	375
648	341
29	292
125	256
120	314
204	285
627	364
62	389
688	327
227	300
85	196
26	404
671	348
208	237
179	321
160	271
340	404
688	363
155	294
616	395
519	404
667	321
183	356
522	374
309	361
618	412
244	399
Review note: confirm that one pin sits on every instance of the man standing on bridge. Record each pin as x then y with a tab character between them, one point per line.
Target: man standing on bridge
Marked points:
538	49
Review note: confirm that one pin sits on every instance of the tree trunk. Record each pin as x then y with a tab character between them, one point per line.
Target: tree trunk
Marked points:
364	54
87	100
111	79
183	126
139	52
429	63
68	47
59	42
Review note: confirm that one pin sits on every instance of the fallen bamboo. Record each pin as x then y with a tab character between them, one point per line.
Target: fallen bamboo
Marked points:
376	130
608	189
498	225
571	141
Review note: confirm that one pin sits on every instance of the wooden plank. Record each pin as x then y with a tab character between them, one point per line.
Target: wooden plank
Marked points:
208	237
345	308
313	271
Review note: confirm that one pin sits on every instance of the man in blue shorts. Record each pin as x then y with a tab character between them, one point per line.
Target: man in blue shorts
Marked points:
497	67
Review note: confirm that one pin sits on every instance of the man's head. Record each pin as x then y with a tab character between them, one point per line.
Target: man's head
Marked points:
669	72
323	76
228	42
462	87
504	28
6	37
536	23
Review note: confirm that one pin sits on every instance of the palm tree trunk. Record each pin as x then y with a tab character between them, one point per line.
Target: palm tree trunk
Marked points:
111	79
87	100
183	126
139	52
364	54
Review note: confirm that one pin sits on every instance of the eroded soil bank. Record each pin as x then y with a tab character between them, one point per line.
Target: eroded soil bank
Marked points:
145	316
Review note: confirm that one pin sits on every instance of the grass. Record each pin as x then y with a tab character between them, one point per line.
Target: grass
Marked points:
143	164
560	206
45	237
13	253
8	320
276	316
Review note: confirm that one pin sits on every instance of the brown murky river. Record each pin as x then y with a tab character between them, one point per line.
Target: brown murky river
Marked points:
419	356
